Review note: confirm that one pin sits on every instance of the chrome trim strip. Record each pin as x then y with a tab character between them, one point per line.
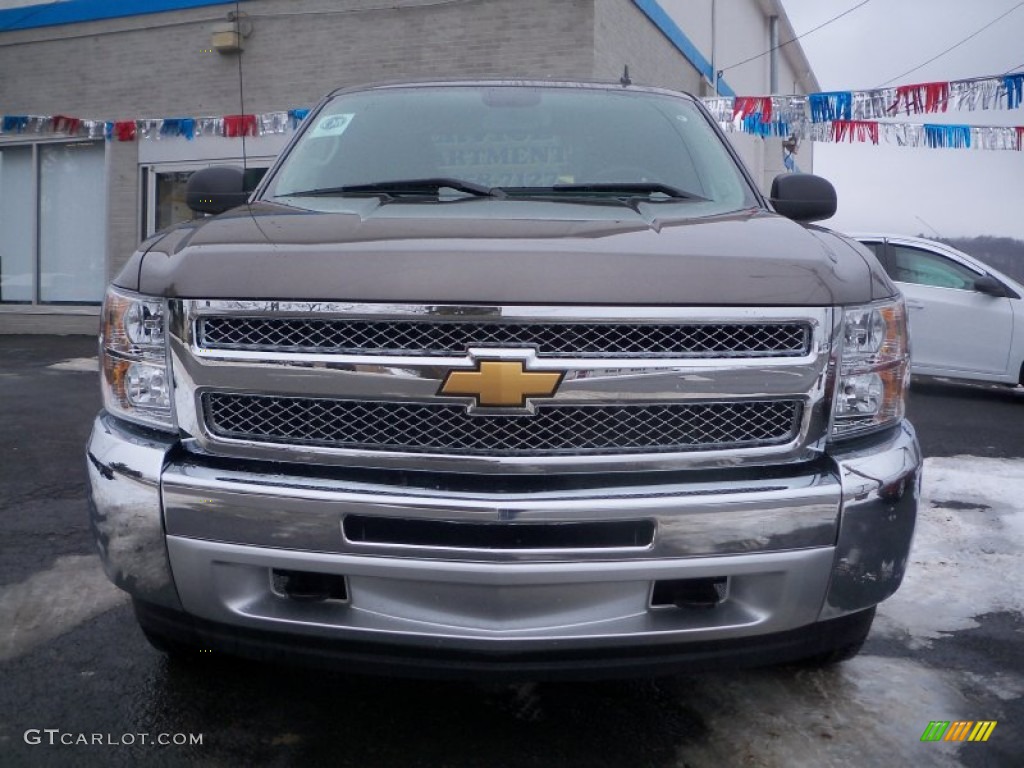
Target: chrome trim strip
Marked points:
481	312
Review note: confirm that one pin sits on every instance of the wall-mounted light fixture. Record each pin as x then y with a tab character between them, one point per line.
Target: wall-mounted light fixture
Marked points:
228	37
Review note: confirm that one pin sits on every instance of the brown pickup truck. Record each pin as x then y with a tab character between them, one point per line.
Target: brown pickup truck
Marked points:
505	379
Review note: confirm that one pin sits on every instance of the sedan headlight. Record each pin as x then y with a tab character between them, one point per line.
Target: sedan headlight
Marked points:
874	369
133	358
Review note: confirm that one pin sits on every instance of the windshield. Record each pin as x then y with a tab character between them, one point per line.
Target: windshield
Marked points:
511	142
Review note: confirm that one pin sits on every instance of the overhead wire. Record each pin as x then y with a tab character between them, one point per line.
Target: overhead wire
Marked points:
954	46
798	37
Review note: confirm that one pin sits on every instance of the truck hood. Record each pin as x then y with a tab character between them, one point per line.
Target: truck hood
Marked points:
477	251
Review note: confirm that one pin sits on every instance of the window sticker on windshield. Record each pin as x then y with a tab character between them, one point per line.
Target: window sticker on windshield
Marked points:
332	125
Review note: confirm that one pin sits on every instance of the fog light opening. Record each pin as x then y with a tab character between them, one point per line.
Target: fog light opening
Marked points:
308	586
690	593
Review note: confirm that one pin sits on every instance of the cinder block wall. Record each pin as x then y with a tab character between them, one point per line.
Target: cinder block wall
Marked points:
624	35
155	65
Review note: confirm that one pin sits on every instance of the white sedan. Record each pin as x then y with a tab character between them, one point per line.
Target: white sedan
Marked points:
966	319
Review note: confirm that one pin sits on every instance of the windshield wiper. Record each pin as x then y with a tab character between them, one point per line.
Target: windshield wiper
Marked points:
629	189
404	187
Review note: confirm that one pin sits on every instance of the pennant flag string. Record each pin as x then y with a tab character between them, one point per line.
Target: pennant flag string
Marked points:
833	116
189	128
777	113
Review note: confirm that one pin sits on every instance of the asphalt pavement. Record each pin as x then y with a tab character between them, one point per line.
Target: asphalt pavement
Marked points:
79	686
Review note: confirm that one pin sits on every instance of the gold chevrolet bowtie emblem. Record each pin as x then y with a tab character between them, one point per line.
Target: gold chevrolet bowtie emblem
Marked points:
501	383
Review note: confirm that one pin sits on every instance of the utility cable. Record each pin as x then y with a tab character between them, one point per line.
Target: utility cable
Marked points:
954	46
798	37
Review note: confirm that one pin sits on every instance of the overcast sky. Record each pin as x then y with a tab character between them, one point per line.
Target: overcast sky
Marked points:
955	192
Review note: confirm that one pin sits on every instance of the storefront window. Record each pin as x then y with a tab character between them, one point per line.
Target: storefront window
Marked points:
17	223
73	219
53	218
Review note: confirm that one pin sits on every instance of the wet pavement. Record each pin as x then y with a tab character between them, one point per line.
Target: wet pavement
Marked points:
74	667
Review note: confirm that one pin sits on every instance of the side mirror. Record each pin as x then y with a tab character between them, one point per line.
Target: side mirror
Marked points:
990	287
803	197
216	189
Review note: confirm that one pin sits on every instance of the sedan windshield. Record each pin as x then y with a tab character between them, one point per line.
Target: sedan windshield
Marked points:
511	142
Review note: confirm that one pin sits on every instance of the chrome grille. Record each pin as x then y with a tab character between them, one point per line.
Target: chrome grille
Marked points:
552	430
550	339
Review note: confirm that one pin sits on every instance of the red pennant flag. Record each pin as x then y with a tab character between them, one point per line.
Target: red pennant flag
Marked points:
239	125
125	130
1020	136
921	97
743	106
855	130
65	124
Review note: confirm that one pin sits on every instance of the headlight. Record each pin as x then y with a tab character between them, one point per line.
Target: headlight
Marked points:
133	357
873	369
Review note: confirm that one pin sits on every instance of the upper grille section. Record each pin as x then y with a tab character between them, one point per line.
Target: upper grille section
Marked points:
553	430
550	339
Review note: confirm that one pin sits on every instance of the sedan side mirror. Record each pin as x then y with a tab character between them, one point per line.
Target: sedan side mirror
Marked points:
803	197
216	189
990	287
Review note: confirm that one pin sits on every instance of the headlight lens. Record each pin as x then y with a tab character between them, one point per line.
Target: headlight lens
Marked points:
133	356
873	369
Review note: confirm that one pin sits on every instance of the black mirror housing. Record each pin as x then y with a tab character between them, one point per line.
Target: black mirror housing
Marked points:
216	189
803	197
990	287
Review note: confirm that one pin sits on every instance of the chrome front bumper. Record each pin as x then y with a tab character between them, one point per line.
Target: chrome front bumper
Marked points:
203	537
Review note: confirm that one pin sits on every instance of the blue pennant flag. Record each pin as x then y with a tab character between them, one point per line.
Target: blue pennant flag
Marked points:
833	105
296	116
953	136
15	123
1014	90
752	124
179	126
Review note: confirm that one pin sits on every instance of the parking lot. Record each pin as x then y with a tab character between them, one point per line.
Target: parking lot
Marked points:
73	665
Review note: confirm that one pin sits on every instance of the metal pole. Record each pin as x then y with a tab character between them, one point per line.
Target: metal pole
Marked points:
714	68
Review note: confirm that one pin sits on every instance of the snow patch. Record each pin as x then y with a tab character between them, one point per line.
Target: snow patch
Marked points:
80	364
968	553
52	602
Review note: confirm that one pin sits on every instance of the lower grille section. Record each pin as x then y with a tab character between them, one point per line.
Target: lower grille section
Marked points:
498	536
552	430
